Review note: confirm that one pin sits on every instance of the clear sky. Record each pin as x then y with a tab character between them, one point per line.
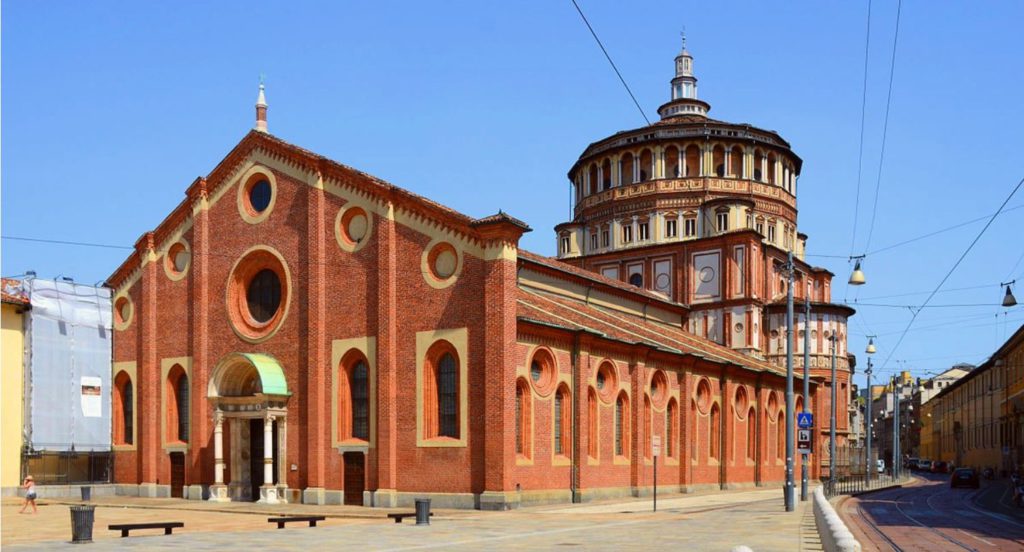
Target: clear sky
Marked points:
110	109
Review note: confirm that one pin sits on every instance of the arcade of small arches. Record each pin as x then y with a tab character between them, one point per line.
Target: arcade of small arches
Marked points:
695	159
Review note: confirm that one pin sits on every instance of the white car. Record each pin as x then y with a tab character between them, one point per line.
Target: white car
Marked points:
881	465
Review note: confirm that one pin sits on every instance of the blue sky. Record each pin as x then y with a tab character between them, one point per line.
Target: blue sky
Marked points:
110	110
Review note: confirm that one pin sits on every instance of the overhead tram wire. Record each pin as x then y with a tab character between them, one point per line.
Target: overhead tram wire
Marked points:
609	58
885	124
950	273
918	238
860	147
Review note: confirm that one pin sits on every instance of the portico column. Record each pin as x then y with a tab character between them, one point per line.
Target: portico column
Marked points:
268	450
218	448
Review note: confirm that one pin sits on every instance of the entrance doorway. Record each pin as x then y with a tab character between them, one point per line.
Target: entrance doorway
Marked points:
256	451
177	474
355	477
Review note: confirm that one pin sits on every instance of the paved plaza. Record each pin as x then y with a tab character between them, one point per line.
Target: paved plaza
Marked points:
711	521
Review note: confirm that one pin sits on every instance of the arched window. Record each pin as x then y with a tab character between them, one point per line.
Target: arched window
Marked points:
592	423
592	180
359	395
670	429
182	396
123	418
672	162
606	175
771	168
718	160
736	162
693	167
626	175
714	438
646	165
780	434
648	430
751	434
177	396
561	428
447	396
622	426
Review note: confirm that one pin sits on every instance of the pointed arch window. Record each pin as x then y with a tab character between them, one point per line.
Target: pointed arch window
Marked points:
447	396
751	434
592	423
715	436
182	397
359	393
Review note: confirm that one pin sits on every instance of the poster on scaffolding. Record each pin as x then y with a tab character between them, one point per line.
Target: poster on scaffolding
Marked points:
92	397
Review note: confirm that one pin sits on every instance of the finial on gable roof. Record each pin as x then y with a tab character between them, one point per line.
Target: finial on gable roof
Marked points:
261	109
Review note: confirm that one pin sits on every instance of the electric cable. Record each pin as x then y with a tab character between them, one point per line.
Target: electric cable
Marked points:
592	32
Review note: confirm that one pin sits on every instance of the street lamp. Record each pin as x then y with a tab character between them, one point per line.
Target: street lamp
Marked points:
1009	300
857	277
867	419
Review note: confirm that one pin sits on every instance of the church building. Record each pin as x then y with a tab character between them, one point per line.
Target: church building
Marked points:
297	330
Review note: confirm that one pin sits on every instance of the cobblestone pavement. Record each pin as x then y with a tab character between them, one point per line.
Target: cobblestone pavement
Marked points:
712	522
929	515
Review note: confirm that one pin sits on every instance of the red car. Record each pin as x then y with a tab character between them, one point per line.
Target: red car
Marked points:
939	466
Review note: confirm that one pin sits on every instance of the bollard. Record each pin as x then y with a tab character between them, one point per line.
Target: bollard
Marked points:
86	493
422	511
81	523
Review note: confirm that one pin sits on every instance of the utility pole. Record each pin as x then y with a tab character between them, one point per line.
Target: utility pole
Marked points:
895	428
832	419
807	387
867	428
790	487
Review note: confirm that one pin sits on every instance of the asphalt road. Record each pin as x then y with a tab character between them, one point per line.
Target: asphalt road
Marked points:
929	515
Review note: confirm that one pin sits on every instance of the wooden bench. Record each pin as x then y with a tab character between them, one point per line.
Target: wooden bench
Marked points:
280	521
167	526
399	517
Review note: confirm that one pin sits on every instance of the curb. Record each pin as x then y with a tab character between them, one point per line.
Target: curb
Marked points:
245	511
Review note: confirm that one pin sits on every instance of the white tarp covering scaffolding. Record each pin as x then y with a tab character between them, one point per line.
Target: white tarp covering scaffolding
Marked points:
67	367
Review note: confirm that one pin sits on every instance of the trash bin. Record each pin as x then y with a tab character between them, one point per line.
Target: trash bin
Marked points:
422	511
86	493
81	523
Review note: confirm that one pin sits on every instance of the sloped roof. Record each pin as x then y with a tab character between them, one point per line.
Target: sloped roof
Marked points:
554	310
13	292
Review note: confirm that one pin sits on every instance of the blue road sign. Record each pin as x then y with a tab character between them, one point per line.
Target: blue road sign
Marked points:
804	420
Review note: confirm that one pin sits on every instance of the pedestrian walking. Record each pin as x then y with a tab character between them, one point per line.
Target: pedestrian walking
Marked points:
30	494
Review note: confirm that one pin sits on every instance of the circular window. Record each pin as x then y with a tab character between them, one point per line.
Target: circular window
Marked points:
773	406
741	401
352	228
263	295
636	280
706	274
543	371
703	396
257	195
662	281
738	328
177	260
775	334
122	312
441	264
659	388
258	294
606	381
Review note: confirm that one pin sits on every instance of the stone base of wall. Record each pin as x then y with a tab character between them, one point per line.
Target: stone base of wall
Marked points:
64	491
196	492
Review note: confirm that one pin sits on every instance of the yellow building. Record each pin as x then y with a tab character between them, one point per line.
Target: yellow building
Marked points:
972	422
12	366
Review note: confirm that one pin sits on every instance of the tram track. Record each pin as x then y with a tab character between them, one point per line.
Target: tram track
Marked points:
869	521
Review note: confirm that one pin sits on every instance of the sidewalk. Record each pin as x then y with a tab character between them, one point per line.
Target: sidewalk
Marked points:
705	521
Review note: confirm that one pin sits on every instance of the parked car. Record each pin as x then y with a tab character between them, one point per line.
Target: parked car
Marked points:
881	465
911	463
964	477
924	465
939	466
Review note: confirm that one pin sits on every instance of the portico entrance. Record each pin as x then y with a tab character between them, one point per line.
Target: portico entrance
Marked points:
249	393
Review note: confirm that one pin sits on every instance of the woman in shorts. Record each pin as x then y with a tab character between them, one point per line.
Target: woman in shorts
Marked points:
30	494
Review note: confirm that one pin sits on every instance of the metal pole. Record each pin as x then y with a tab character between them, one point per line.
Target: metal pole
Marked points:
807	388
790	488
895	429
655	483
832	419
867	429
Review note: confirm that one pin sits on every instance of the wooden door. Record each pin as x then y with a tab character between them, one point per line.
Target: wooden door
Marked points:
355	477
177	474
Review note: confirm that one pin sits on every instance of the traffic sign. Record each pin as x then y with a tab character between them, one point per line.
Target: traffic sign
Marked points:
803	441
804	420
656	445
